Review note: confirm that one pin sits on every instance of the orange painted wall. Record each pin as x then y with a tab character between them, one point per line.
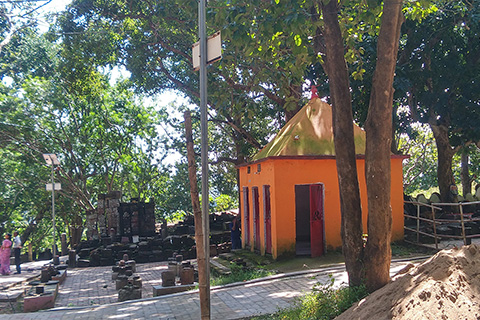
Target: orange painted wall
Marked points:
283	174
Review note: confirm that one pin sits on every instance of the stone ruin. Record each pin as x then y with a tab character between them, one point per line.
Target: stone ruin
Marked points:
115	229
112	218
128	285
41	294
180	276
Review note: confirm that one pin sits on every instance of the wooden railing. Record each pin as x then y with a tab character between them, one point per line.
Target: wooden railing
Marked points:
434	221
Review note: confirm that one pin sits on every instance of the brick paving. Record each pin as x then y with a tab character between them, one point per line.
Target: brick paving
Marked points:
93	294
94	286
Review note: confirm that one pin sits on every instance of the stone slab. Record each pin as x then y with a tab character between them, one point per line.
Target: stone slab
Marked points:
60	277
11	296
32	303
161	291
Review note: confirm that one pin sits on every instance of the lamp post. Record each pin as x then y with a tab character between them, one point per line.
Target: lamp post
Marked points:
52	160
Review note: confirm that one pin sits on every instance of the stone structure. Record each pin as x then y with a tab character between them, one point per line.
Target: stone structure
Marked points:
107	250
129	286
112	218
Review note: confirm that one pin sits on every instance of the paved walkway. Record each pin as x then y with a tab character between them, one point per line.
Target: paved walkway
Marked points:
29	270
235	301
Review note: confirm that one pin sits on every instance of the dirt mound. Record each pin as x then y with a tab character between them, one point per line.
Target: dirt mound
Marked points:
445	287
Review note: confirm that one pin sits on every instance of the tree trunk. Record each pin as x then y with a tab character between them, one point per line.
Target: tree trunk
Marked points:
378	150
197	213
465	174
444	168
336	69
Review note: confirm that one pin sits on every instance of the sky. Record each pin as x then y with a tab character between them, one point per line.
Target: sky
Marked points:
52	6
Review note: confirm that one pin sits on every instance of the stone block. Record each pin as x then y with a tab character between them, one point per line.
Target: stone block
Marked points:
161	291
168	279
132	264
60	277
33	302
121	282
129	293
213	250
82	263
187	276
11	296
137	281
175	268
72	259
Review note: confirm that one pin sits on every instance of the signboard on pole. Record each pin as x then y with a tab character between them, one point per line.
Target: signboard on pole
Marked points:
49	186
214	50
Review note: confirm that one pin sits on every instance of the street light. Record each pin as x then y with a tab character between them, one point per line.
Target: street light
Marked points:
52	160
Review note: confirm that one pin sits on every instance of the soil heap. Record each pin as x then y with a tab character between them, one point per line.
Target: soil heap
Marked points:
446	287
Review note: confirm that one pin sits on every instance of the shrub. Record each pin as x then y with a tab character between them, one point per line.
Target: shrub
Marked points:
324	303
239	274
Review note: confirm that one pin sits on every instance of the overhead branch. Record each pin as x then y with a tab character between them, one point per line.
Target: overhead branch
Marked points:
177	82
247	136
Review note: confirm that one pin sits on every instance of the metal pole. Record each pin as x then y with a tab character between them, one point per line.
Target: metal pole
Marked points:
53	213
204	144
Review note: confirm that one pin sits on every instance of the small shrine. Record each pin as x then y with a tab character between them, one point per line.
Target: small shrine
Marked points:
290	201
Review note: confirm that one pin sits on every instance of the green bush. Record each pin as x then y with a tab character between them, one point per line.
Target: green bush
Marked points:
323	303
238	274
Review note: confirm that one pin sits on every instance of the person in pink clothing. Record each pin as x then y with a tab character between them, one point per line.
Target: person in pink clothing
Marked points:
5	255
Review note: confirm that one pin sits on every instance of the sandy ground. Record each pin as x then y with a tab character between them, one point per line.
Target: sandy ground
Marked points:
445	287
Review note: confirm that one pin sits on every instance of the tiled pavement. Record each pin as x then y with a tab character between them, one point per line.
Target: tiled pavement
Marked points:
29	270
94	286
86	286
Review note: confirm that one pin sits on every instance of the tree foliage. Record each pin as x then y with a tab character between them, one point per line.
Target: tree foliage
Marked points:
104	137
440	66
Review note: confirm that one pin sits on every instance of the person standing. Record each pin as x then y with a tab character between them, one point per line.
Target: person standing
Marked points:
5	255
235	234
17	245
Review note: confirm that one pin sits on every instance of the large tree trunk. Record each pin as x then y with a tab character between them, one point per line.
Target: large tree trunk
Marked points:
378	150
445	158
336	69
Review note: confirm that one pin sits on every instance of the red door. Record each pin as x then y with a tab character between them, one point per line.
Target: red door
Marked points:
316	220
256	217
246	217
268	219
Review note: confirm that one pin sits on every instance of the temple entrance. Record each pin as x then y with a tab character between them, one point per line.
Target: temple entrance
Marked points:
309	220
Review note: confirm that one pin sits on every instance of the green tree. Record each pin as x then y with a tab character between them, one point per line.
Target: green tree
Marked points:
16	16
250	85
441	64
420	170
104	136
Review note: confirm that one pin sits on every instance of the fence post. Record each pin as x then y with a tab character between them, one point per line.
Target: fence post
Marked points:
418	223
463	225
434	228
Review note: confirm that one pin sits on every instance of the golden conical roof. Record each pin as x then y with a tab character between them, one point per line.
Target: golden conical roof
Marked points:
309	133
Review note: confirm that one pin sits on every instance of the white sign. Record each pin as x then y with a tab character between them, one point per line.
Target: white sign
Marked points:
58	186
51	159
214	50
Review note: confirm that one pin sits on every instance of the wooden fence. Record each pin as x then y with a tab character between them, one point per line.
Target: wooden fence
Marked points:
432	210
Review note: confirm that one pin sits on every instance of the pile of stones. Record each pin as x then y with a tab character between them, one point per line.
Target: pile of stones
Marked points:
180	276
177	268
128	285
110	249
